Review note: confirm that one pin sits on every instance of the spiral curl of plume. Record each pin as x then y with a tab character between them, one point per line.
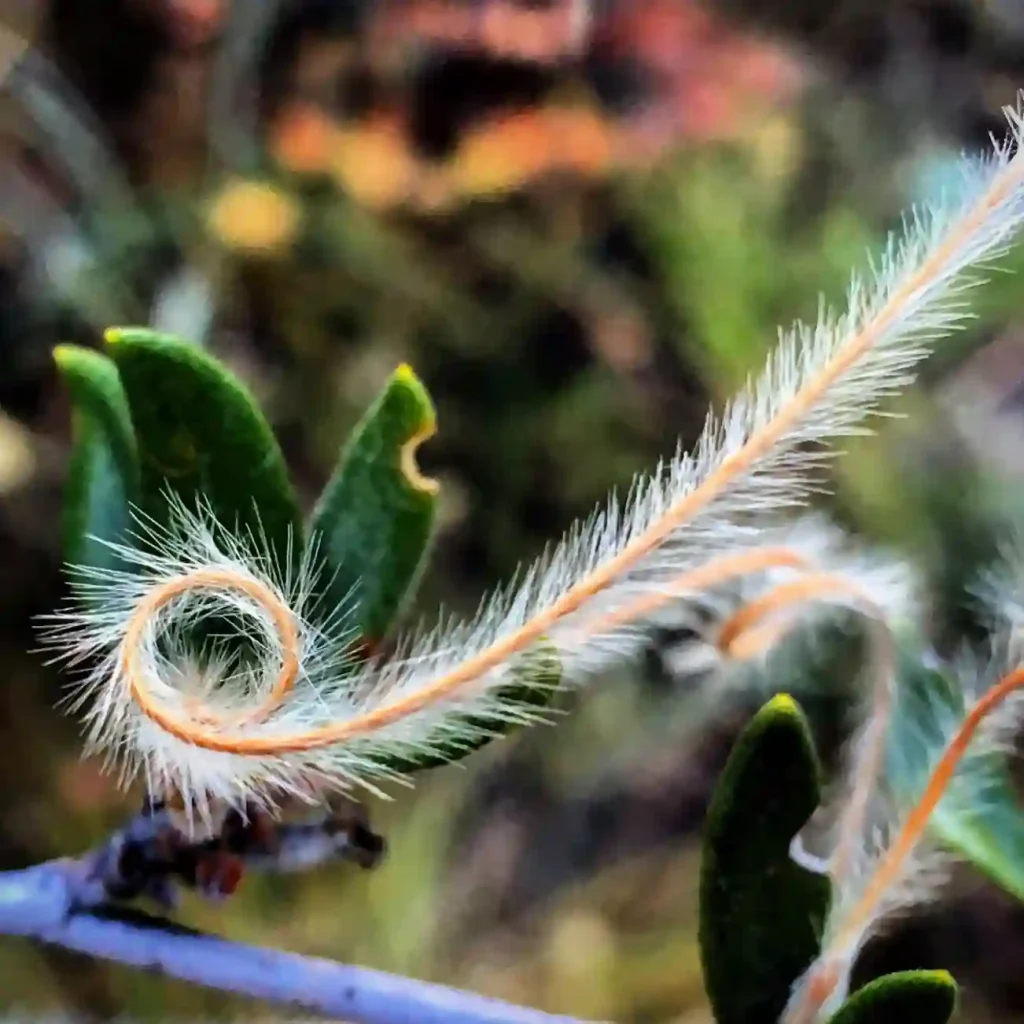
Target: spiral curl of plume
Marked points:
303	716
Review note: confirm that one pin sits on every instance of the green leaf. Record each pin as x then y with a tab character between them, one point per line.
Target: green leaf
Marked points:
909	997
374	521
987	831
760	913
537	673
201	433
103	475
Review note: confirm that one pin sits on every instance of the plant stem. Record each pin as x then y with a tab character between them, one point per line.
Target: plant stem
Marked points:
38	903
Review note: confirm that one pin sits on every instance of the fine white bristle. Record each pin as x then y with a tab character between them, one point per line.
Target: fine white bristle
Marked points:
587	599
955	734
819	575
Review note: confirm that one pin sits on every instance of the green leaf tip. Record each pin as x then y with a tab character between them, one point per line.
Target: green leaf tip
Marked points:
374	521
114	336
760	913
405	373
65	355
783	704
75	362
419	398
921	997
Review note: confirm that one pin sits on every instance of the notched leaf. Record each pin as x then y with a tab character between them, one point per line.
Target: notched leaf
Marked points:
760	913
374	521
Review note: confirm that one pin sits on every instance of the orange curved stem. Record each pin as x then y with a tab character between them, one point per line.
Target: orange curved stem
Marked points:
749	622
889	868
214	579
914	827
732	467
711	574
806	588
194	729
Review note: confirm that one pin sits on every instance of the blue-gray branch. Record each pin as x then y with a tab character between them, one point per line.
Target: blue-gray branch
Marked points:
39	903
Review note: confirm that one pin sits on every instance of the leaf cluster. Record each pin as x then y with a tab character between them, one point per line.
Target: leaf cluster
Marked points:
157	419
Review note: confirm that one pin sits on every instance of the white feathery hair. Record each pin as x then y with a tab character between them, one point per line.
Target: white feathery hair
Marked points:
897	866
340	724
956	733
856	580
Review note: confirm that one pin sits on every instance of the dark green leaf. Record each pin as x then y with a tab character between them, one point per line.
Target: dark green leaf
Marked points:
103	476
910	997
201	433
374	520
760	913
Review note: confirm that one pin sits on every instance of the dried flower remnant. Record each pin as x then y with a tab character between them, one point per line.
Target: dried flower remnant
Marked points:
154	856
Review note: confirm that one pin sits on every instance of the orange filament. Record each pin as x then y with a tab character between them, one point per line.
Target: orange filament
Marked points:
809	587
760	444
888	870
745	634
710	574
914	827
757	640
219	579
821	983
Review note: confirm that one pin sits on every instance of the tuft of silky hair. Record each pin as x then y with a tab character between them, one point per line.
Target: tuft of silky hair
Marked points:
302	716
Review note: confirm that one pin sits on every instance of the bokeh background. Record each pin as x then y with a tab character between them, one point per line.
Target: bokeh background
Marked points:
581	222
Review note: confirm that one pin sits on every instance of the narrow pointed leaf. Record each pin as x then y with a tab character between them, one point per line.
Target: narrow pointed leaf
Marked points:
909	997
200	432
103	474
760	913
536	676
374	521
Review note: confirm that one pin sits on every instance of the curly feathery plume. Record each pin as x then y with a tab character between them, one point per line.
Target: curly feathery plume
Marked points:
304	716
896	863
887	860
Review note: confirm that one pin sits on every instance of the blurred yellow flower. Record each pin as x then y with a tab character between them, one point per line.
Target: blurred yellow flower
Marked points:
374	164
254	217
583	140
512	151
776	147
502	155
